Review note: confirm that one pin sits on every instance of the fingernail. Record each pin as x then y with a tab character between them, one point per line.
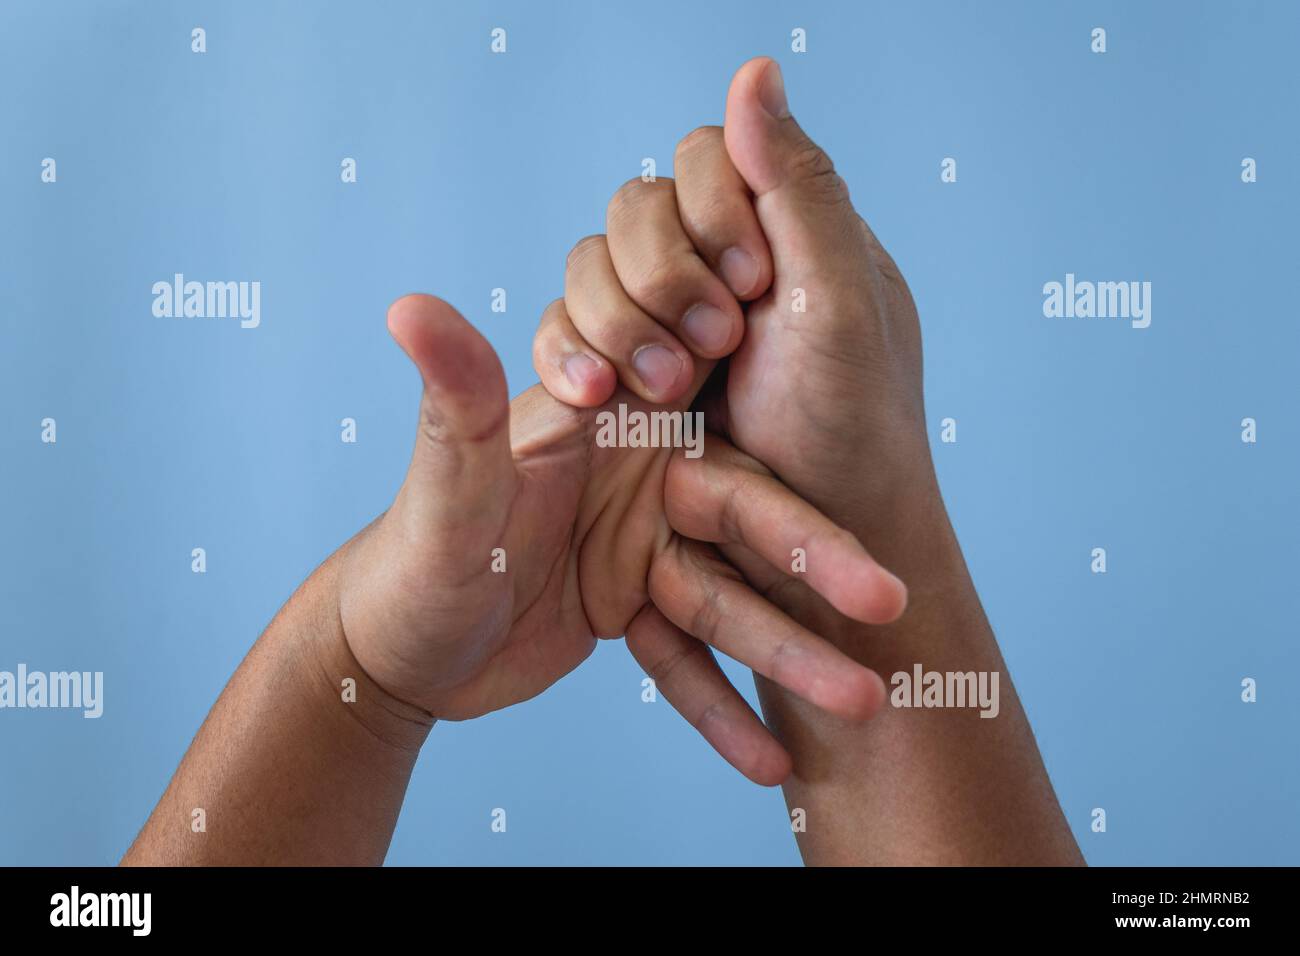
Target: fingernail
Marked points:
579	369
707	326
657	366
739	269
771	92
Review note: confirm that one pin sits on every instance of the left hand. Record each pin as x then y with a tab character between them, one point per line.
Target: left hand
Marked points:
595	542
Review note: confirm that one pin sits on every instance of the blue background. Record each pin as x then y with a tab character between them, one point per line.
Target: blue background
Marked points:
478	170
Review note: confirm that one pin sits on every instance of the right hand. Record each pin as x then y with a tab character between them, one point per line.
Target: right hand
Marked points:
828	396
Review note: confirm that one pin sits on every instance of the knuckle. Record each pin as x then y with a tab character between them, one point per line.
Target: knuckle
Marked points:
629	197
656	284
582	249
434	432
551	316
813	168
810	161
661	668
742	461
665	585
539	355
624	197
611	333
730	523
659	579
549	335
781	658
707	615
715	711
711	219
699	141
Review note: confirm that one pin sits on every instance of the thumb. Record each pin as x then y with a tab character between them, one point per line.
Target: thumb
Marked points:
460	484
802	203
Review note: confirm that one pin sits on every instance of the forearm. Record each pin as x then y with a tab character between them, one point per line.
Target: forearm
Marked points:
287	768
939	785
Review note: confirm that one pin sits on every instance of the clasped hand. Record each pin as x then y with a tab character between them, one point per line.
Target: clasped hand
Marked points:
749	290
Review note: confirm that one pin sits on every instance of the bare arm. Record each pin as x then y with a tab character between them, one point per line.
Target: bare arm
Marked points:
466	596
921	786
825	389
284	770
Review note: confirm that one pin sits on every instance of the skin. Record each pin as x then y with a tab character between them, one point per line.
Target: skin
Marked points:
287	771
681	555
830	399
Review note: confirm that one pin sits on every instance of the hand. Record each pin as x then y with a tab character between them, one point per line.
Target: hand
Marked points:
586	543
829	398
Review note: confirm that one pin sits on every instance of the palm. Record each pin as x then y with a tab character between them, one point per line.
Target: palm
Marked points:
585	525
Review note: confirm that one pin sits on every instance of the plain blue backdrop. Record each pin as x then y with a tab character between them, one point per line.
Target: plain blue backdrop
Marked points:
478	171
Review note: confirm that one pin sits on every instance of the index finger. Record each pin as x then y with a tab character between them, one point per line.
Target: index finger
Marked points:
717	211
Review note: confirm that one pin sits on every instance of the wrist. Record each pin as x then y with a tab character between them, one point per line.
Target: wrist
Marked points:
914	539
348	695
